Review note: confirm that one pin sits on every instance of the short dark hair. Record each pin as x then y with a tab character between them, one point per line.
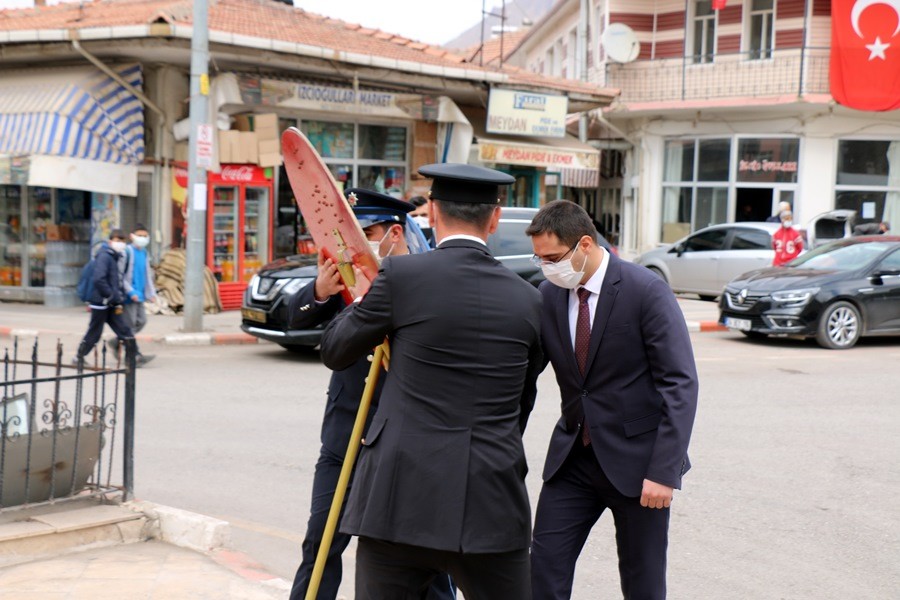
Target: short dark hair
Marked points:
418	200
139	227
473	213
117	233
564	219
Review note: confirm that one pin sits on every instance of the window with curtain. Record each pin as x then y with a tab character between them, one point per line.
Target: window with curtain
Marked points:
704	32
695	185
868	180
762	25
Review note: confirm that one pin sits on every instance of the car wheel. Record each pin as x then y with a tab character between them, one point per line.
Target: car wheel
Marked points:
658	273
708	298
839	326
755	335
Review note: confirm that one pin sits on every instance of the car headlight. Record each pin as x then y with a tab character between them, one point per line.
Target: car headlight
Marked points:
794	298
295	285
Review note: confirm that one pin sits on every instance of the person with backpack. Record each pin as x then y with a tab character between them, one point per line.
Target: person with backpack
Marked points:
105	296
137	275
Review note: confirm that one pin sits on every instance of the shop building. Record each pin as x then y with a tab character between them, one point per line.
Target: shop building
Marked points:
725	109
377	106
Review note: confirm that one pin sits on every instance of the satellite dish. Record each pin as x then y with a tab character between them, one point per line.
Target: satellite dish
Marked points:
620	43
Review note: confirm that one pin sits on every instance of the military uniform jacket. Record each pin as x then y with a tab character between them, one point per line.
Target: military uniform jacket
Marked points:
443	465
346	386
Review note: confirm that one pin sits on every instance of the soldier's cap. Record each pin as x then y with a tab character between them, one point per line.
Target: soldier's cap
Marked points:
455	182
374	207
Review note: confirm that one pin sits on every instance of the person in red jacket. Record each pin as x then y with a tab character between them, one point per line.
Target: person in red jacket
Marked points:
787	241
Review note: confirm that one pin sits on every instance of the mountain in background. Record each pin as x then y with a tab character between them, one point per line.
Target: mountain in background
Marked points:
517	11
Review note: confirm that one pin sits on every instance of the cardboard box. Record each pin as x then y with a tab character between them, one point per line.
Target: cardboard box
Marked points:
269	147
242	122
229	146
249	148
270	160
266	126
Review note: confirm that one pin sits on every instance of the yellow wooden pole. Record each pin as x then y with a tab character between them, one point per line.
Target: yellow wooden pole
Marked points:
381	356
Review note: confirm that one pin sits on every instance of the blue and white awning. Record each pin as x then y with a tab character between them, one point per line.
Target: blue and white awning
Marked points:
76	113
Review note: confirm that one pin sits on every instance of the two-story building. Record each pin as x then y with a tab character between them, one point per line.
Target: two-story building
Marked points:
724	109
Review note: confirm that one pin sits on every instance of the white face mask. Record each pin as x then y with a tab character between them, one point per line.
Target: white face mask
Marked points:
787	223
140	241
563	274
376	246
117	246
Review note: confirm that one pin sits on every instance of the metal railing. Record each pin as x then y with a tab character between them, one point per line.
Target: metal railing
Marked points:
793	72
59	426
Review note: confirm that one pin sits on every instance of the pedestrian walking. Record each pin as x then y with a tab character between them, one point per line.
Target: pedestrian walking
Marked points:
385	221
623	361
440	483
137	274
107	297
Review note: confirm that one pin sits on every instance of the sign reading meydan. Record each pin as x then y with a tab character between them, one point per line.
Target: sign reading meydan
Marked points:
490	151
317	97
515	112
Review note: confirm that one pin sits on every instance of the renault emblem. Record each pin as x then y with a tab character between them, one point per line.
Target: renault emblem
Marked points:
742	296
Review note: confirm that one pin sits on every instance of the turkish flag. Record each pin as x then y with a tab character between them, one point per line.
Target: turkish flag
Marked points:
865	53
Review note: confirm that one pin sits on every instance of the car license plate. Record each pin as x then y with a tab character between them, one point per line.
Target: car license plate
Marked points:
739	324
253	314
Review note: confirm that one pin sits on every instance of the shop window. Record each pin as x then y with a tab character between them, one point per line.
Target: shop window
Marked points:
712	161
331	140
382	143
868	179
676	219
704	32
769	160
761	22
10	235
679	160
711	207
688	206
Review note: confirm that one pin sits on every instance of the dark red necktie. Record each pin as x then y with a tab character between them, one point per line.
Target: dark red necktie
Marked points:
583	344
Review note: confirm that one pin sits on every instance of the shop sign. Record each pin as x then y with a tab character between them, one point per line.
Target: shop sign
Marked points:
14	170
536	156
204	145
526	113
313	96
241	173
755	166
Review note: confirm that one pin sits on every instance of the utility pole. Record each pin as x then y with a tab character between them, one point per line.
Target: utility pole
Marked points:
196	229
581	60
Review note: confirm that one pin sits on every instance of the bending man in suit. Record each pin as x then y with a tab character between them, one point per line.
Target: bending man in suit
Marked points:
384	221
628	385
440	483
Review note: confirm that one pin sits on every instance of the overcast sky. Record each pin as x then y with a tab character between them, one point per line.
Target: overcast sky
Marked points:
431	21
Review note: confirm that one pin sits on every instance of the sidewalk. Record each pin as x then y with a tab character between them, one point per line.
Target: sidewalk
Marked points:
28	320
135	550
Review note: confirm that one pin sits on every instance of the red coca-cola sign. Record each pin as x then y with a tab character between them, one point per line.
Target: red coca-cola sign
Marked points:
241	173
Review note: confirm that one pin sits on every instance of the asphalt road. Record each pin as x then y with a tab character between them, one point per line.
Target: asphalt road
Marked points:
793	493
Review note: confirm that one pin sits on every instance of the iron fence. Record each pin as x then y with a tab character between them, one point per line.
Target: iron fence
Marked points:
60	436
793	72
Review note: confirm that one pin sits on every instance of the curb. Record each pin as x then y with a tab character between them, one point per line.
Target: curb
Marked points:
705	326
171	339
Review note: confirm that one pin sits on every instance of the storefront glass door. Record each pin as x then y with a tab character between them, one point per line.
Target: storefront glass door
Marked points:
10	235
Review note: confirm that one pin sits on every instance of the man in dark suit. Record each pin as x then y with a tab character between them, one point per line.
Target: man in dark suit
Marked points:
440	483
628	384
384	221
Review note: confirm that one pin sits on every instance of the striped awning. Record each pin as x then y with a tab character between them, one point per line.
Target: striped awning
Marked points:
78	112
580	178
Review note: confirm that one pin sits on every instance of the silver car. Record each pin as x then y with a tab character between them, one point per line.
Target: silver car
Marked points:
703	262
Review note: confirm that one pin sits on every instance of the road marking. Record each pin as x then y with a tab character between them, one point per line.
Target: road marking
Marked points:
263	529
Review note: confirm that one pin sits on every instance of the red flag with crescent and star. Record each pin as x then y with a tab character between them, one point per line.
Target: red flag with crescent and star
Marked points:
865	54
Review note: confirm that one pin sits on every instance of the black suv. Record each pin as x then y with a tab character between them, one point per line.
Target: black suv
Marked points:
264	311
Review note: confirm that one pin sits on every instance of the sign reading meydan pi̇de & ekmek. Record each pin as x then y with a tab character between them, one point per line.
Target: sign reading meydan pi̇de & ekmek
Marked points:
525	113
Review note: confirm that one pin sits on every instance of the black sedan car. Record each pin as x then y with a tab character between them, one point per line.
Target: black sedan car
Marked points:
264	311
835	293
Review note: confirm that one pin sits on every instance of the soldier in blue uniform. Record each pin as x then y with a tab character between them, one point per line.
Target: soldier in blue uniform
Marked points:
384	221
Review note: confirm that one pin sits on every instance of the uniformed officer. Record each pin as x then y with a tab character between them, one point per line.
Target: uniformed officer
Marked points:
440	483
384	221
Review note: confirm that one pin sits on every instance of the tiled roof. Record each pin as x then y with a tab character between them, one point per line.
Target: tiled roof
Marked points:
491	49
264	19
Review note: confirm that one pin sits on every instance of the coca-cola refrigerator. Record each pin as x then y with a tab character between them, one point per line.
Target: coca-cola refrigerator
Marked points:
239	229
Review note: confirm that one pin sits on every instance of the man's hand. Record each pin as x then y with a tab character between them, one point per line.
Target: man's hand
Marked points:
328	281
134	297
656	495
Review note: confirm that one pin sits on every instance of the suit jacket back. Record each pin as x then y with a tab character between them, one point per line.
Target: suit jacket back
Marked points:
443	464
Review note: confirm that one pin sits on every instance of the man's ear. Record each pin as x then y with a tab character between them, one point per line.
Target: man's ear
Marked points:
495	220
432	215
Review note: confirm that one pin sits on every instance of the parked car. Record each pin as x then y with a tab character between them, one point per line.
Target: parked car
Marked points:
264	310
703	262
836	293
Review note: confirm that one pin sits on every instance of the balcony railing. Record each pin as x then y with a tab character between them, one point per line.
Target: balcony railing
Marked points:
794	72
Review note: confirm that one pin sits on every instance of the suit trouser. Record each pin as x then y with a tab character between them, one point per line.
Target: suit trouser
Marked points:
99	318
391	571
328	471
569	505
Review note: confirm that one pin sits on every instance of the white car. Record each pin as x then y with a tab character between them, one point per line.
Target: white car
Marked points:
703	262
